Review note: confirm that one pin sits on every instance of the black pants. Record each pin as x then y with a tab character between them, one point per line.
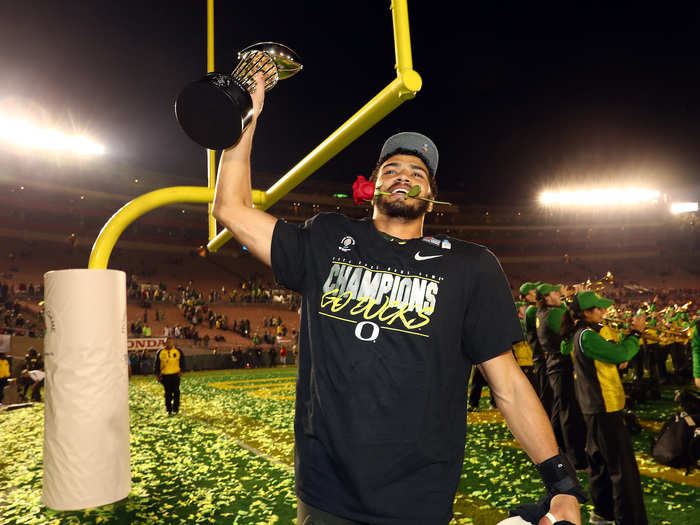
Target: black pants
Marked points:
3	384
567	420
681	363
637	363
25	383
649	354
171	383
478	383
308	515
616	487
544	391
660	358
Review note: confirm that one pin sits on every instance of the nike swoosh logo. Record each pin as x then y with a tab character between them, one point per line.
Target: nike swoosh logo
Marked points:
420	257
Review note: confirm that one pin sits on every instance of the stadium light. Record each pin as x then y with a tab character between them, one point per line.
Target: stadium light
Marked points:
26	134
600	197
683	207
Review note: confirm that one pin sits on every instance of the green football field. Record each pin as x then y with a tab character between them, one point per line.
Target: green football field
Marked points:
228	456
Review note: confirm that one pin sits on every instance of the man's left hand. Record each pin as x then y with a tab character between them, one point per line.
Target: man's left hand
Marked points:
563	507
179	374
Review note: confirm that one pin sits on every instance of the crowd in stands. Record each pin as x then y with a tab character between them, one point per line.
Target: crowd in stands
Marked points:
201	310
13	321
247	292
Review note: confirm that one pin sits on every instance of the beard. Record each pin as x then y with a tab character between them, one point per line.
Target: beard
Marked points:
401	208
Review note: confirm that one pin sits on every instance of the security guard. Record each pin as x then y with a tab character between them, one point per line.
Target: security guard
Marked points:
566	418
168	367
4	373
614	476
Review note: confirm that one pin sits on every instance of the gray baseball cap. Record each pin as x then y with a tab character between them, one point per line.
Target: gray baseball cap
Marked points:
411	141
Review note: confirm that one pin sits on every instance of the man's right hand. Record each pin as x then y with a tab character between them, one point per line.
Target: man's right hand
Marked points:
159	378
258	95
233	200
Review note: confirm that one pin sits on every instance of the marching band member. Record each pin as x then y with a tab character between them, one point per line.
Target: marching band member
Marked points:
695	346
528	293
614	477
522	349
566	416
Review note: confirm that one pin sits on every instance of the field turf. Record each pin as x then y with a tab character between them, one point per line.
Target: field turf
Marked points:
228	456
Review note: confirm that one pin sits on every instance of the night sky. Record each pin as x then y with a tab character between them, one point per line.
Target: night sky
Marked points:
516	96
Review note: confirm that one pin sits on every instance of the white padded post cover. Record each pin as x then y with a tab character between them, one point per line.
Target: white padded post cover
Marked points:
86	411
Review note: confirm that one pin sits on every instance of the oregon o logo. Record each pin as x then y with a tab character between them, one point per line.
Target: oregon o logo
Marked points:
372	336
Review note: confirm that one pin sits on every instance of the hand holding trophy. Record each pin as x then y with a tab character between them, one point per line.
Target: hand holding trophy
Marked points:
214	110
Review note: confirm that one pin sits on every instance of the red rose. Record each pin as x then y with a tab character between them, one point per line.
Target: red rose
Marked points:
362	190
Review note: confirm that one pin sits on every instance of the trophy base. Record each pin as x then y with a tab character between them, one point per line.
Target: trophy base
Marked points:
214	111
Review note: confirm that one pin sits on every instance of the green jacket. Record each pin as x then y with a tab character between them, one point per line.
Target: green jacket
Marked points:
695	345
596	380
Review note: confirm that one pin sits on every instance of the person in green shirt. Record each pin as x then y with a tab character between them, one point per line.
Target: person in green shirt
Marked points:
614	476
528	294
695	347
565	416
522	350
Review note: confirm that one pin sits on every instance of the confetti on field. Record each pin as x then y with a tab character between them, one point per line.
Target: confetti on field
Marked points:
227	459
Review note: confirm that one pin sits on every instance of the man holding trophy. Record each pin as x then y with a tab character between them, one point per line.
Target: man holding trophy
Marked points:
391	325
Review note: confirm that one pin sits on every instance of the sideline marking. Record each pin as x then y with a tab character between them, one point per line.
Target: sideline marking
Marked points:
231	385
269	379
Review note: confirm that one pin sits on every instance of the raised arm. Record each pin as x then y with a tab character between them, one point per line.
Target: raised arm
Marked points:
233	201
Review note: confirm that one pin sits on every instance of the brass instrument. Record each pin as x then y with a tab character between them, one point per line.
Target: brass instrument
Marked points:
617	320
597	286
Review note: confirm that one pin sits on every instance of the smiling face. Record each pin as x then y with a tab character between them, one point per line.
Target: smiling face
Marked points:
397	175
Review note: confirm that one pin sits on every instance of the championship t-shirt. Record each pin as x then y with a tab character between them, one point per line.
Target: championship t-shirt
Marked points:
389	331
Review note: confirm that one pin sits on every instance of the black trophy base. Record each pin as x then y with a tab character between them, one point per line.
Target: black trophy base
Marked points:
214	111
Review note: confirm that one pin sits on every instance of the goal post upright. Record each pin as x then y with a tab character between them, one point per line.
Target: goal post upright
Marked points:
404	87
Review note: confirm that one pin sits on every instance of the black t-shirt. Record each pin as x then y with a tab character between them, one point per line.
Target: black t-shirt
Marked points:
389	331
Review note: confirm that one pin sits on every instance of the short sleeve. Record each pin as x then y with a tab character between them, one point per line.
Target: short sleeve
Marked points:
288	254
491	323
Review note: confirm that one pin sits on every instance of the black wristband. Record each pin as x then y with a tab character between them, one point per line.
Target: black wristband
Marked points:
636	333
559	477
